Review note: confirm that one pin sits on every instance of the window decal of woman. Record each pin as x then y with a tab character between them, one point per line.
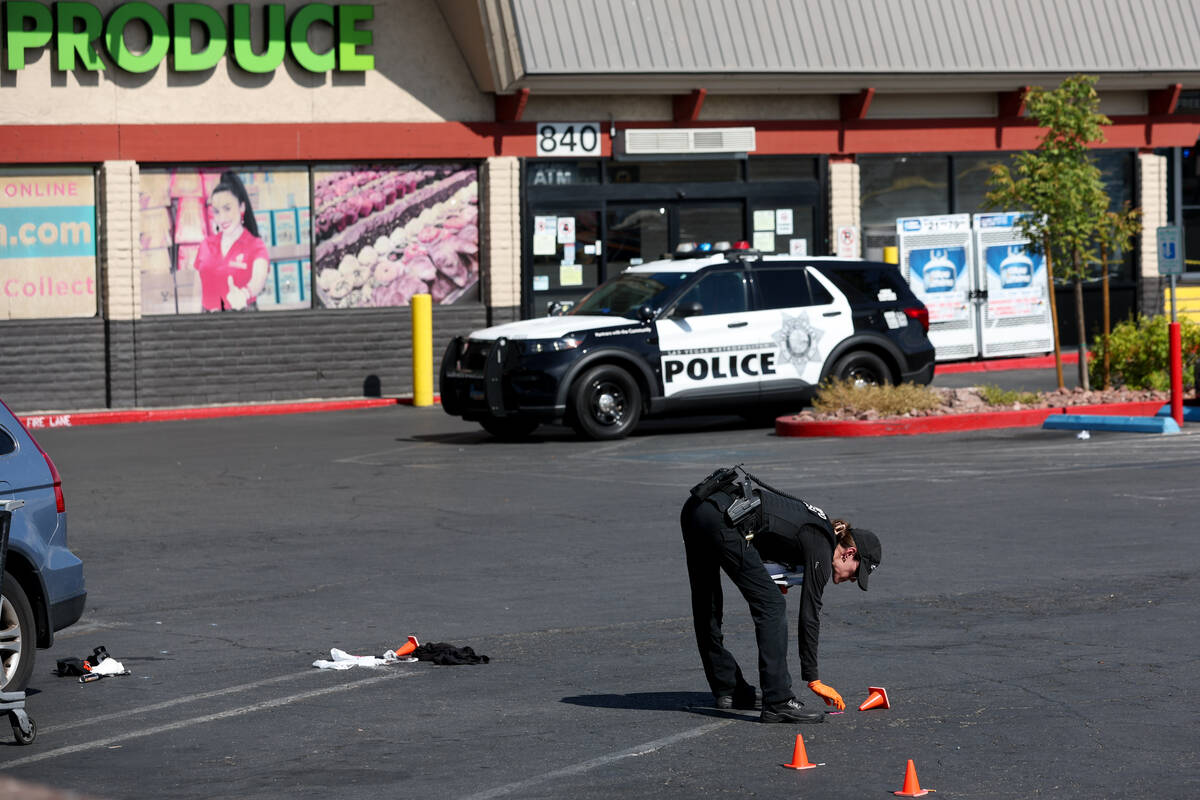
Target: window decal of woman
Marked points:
233	262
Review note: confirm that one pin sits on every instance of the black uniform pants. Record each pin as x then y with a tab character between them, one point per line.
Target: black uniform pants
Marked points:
712	546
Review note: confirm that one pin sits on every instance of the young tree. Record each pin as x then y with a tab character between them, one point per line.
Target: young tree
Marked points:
1114	235
1061	189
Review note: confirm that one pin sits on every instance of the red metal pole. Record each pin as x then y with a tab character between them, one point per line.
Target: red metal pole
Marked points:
1176	373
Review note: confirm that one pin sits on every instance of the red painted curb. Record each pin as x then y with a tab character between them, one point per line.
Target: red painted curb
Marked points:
953	423
1002	364
120	416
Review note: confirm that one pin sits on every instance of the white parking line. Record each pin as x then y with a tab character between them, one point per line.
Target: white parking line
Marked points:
95	744
191	698
585	766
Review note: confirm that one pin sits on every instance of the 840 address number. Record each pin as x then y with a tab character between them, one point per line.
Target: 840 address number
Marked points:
568	139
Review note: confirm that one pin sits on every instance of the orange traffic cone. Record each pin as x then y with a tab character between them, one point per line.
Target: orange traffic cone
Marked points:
877	699
912	788
407	647
799	756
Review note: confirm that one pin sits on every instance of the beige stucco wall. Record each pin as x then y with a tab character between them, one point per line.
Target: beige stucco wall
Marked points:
419	76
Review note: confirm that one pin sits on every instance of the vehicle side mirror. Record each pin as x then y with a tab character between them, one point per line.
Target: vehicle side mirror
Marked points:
692	309
645	313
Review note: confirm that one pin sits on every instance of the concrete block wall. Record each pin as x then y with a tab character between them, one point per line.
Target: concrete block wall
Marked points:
500	237
54	364
1152	195
845	201
286	355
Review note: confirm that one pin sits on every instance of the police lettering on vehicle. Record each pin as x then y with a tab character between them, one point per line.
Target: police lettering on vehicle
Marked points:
707	365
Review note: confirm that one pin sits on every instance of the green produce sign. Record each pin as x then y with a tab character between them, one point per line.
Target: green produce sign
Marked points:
78	32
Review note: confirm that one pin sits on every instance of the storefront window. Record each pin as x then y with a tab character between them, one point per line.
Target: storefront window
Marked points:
786	230
785	168
235	239
902	186
566	257
547	172
713	222
971	176
702	171
385	233
47	243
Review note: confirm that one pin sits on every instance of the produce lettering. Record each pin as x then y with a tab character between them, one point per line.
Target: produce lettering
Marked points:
79	33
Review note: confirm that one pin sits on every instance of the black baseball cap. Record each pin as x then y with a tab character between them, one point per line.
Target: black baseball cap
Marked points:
869	554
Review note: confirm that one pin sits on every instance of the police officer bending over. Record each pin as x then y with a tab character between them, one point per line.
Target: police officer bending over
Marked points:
733	522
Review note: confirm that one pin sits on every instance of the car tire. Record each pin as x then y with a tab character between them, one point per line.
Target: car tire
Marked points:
509	429
605	403
863	368
18	637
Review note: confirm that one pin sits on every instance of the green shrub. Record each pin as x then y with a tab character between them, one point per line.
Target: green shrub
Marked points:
1139	353
887	400
995	396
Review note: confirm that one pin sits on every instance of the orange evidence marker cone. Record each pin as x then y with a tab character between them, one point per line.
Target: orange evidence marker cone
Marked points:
911	787
799	756
407	647
877	699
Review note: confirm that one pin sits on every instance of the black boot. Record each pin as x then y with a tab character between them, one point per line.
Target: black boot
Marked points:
746	697
791	710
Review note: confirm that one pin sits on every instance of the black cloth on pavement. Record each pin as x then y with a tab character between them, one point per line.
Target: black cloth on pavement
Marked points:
448	654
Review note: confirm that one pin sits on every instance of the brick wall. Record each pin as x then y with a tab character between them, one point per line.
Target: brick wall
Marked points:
1152	194
845	205
500	232
217	358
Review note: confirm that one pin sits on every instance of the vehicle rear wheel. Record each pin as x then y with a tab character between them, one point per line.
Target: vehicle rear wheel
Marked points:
509	429
18	639
605	403
863	369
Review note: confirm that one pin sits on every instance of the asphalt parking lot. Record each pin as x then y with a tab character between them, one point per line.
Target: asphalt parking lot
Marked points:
1032	619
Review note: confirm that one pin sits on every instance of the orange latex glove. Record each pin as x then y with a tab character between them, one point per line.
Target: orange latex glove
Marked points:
828	694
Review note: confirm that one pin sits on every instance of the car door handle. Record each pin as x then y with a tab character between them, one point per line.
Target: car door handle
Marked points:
831	314
738	324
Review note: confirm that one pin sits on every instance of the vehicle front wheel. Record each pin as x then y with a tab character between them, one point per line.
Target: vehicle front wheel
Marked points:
605	403
509	429
18	639
862	368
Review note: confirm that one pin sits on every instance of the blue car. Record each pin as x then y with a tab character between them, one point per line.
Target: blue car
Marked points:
43	580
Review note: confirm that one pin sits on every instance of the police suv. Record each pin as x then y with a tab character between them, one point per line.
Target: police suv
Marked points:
730	331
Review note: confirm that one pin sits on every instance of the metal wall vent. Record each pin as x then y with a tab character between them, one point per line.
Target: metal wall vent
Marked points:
664	141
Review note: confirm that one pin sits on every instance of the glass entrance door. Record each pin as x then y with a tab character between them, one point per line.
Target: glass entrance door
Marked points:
566	256
635	234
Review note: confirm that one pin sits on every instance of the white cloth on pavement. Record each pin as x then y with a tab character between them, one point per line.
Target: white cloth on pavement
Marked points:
340	659
109	666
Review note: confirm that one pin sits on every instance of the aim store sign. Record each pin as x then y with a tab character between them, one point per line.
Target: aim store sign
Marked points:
137	37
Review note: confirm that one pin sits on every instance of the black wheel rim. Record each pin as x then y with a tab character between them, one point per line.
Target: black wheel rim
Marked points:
862	375
606	402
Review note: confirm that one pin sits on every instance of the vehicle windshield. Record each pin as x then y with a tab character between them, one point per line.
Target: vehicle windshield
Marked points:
624	295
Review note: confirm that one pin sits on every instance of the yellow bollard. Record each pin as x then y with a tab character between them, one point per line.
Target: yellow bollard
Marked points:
891	254
422	344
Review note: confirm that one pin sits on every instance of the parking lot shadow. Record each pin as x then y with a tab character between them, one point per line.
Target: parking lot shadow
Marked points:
645	701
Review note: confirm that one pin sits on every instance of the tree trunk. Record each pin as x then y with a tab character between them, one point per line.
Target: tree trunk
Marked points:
1053	311
1083	363
1107	314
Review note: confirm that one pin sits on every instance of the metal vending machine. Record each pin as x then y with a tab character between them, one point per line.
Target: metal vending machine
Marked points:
937	260
1015	318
